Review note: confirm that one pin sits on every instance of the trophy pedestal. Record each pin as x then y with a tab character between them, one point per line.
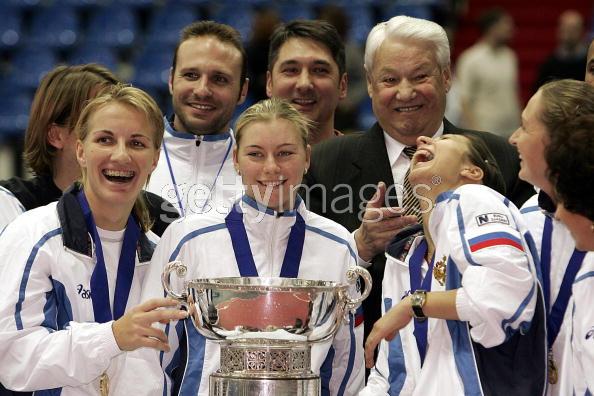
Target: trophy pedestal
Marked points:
264	367
231	386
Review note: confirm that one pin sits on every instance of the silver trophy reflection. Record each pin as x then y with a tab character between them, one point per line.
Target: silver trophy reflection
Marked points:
266	326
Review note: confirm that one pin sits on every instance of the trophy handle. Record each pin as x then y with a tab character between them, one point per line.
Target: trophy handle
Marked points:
180	269
353	274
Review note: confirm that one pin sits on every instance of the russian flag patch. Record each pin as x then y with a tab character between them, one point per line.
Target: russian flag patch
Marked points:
494	239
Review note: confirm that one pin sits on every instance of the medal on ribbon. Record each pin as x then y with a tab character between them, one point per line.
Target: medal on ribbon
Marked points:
552	372
104	384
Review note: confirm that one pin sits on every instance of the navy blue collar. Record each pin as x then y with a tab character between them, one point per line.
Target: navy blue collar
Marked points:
546	203
264	209
74	228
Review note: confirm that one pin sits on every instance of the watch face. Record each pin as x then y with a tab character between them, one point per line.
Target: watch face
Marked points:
417	301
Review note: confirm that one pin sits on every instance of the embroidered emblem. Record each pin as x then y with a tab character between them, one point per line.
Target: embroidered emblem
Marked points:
439	270
490	218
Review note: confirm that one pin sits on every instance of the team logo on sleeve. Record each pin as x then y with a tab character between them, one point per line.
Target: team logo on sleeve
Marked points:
494	239
590	333
490	218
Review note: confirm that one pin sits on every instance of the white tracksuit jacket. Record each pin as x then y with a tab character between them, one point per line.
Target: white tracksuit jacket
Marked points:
565	350
582	342
203	243
49	341
481	237
10	207
202	166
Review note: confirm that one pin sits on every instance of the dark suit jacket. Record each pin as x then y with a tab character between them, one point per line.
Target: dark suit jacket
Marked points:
358	162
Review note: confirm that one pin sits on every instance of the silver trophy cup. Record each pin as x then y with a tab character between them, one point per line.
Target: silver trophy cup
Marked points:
266	326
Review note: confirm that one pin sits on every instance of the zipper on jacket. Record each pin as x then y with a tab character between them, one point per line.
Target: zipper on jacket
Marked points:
271	245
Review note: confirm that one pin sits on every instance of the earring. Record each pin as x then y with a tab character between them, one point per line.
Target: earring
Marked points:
592	227
238	172
305	173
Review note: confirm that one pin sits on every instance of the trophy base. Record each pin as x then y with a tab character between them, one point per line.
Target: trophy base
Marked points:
221	385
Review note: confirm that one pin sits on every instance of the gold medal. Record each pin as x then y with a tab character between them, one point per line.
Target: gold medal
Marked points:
104	384
552	372
439	271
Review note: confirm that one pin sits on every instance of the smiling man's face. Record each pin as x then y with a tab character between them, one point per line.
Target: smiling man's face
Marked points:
408	89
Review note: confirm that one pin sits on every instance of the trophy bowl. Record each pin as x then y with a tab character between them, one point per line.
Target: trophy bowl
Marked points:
281	309
266	326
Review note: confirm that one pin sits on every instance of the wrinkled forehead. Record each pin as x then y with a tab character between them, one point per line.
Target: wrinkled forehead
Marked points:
398	52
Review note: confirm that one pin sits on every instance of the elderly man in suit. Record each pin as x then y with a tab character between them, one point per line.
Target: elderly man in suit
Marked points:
357	180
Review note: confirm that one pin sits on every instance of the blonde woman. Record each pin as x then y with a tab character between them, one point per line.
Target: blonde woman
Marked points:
69	305
269	232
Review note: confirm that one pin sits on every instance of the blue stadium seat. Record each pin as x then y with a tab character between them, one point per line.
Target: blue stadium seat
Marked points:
137	4
80	4
10	27
366	118
408	8
114	26
55	27
294	10
238	15
94	54
167	22
22	4
362	22
30	64
151	68
191	2
14	114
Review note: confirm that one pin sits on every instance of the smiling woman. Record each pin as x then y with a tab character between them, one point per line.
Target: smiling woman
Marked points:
70	297
269	233
119	139
272	153
550	144
445	328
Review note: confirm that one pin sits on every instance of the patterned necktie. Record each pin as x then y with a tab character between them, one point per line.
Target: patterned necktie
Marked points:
410	203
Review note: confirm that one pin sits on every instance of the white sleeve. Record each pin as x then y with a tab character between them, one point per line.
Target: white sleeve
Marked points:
33	354
360	261
583	330
378	382
348	365
163	363
348	370
498	291
10	208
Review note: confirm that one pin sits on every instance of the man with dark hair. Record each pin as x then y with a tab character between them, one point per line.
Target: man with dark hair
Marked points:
207	82
306	66
487	75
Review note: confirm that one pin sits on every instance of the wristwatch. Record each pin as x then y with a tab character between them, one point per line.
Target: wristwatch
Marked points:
417	300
